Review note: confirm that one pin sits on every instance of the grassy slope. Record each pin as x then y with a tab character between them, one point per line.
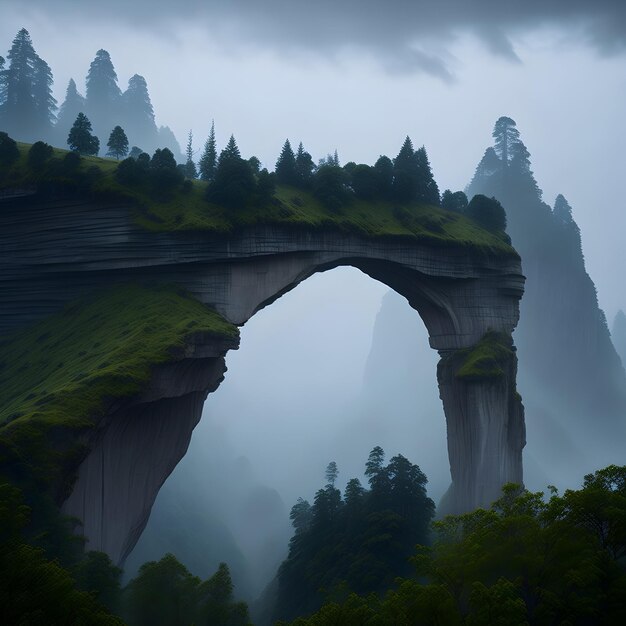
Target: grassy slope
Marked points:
59	374
292	207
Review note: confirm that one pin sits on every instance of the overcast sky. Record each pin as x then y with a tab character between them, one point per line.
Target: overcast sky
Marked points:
358	75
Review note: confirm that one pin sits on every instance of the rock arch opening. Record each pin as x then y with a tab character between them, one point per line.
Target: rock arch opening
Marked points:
460	295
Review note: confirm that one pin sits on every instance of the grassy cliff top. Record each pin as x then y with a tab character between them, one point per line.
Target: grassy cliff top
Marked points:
59	374
187	210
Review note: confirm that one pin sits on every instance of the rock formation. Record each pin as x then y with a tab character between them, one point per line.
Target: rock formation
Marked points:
54	252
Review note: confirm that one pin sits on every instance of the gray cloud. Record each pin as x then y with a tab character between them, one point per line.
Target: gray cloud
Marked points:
399	33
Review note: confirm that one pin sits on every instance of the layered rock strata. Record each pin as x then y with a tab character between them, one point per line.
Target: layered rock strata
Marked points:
52	253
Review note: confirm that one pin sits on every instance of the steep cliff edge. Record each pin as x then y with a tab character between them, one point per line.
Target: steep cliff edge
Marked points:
104	454
108	390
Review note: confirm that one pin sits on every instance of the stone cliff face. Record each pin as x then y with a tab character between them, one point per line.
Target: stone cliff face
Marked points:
136	447
52	253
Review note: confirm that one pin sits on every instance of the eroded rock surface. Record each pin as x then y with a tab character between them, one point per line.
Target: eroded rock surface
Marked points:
56	252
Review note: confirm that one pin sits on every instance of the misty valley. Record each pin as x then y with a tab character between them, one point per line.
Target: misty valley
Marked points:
289	389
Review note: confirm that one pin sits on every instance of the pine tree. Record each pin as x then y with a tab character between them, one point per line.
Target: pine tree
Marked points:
427	188
73	104
208	161
230	152
190	166
286	173
304	166
383	169
103	96
118	143
19	110
487	212
405	173
506	136
45	103
80	138
234	184
138	113
331	473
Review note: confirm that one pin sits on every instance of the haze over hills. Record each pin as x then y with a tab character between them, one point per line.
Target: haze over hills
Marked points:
29	111
130	282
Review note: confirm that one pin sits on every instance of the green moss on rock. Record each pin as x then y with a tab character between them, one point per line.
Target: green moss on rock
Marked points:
486	360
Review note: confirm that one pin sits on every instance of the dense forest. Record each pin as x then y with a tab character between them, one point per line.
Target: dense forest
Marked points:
29	111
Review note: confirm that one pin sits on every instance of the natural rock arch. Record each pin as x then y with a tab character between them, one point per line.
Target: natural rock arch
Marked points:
462	293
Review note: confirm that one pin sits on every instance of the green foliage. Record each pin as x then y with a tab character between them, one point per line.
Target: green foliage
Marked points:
118	143
456	201
190	167
166	593
486	360
361	542
329	186
36	590
208	160
364	182
234	184
80	138
164	175
9	152
487	212
506	137
286	171
524	561
289	207
304	167
96	574
38	154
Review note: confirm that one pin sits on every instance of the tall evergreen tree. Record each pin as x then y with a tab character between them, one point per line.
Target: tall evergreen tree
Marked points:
118	143
230	152
286	173
190	166
103	96
331	473
405	173
138	114
73	104
80	138
45	103
427	188
487	170
19	110
506	136
208	160
304	166
384	176
234	183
